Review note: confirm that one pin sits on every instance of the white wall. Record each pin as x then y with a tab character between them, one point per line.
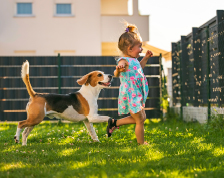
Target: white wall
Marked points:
44	33
199	114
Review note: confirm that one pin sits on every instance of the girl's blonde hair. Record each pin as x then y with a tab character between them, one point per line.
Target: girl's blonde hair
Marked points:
129	38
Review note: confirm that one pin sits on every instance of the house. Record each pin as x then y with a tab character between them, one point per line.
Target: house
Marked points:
69	27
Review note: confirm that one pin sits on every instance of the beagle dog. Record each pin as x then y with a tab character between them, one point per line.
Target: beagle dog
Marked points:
78	106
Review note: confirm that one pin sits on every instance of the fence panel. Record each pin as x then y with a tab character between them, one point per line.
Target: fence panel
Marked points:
54	74
200	58
176	73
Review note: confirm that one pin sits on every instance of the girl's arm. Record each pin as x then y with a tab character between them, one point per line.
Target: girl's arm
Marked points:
121	67
116	72
145	59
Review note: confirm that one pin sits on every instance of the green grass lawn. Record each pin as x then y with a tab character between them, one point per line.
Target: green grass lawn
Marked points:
176	149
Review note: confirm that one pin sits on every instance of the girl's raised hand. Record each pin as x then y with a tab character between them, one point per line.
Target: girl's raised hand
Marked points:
120	68
148	54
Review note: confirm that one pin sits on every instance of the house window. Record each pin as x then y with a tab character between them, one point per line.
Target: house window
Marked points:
24	8
63	9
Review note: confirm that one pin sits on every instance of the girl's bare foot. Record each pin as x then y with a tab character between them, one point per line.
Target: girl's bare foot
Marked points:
145	143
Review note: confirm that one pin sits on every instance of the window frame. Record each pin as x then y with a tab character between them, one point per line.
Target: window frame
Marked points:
23	15
63	15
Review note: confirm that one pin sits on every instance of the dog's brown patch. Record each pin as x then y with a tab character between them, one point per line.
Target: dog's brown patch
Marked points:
35	112
92	78
28	85
84	109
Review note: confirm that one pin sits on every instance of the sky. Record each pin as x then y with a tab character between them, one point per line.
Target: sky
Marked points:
171	19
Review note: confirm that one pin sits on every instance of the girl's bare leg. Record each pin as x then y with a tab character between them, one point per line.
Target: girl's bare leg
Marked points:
138	119
139	128
125	121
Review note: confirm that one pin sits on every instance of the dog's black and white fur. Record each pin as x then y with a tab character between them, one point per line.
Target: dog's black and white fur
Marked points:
78	106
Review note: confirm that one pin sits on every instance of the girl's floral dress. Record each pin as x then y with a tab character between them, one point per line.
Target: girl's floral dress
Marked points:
134	89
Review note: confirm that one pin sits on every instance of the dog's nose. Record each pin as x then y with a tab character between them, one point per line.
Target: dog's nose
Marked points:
110	76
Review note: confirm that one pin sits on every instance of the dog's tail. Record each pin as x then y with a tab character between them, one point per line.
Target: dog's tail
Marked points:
26	80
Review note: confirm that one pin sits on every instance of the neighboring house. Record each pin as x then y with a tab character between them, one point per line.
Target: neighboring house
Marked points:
69	27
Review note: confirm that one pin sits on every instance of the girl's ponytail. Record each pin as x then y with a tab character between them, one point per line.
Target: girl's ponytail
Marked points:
131	28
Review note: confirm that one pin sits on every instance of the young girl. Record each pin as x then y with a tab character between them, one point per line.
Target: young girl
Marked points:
134	86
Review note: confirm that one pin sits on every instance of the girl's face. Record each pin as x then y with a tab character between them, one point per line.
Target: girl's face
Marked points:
135	51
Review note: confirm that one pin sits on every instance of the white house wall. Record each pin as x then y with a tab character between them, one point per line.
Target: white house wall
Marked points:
45	33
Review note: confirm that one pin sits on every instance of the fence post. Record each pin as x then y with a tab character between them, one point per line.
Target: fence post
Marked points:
59	74
208	73
220	29
175	80
181	86
161	87
197	64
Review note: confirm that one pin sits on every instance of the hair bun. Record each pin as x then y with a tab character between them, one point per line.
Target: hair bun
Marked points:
131	28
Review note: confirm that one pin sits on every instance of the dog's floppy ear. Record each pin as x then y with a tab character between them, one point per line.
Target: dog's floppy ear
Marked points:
83	80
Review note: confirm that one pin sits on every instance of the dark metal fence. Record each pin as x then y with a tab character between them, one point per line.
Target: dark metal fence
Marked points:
59	75
198	66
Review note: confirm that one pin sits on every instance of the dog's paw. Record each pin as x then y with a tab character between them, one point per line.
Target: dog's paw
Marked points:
96	140
24	144
16	140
